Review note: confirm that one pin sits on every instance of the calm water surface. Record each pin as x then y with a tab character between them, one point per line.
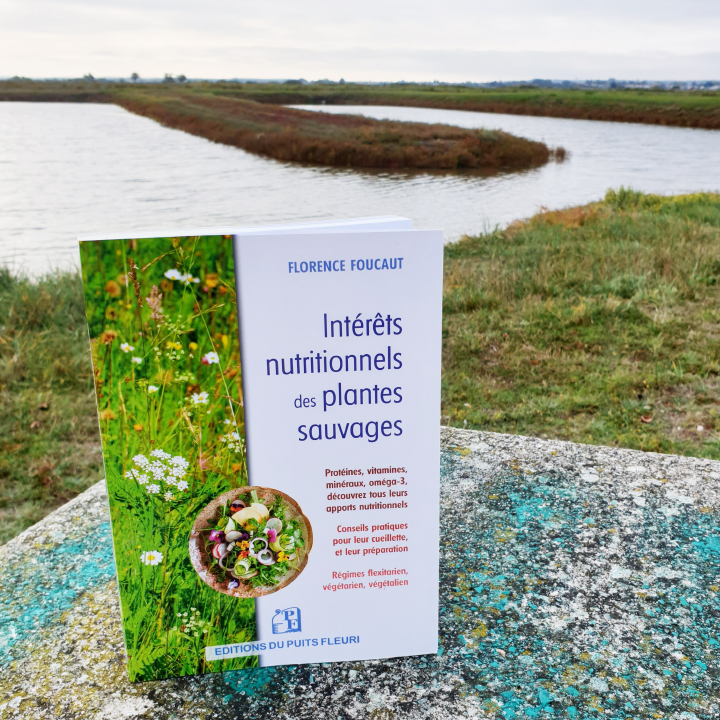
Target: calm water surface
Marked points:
70	169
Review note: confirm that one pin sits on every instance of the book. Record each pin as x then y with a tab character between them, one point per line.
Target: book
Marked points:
268	401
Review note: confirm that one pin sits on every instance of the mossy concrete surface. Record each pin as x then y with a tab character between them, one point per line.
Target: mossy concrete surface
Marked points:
576	582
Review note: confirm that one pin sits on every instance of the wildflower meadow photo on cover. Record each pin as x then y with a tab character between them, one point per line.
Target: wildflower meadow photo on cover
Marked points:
162	317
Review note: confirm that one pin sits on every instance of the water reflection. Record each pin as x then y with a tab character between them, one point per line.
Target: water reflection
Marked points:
72	169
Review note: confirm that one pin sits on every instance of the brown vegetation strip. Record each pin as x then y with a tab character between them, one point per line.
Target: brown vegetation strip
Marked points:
672	116
697	109
337	140
669	115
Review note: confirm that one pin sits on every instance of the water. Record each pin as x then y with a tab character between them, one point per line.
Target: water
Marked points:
69	169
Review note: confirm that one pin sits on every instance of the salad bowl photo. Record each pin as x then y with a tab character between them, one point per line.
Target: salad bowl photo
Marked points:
250	541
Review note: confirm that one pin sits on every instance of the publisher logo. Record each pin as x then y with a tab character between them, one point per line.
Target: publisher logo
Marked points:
286	621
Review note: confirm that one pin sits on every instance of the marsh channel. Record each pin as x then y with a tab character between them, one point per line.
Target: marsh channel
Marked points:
71	169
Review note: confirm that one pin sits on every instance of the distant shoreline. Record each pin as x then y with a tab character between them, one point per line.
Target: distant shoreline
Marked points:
694	109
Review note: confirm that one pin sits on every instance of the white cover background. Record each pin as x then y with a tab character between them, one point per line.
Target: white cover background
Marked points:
281	314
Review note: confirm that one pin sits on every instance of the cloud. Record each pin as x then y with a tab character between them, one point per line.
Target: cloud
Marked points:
376	40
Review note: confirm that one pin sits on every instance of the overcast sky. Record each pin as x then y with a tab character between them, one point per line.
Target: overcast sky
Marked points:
452	40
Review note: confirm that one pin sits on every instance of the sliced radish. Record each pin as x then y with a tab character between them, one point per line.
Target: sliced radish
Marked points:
266	557
254	541
274	524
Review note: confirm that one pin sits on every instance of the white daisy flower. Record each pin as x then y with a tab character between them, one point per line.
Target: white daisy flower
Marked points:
199	398
126	347
173	275
210	358
151	557
136	360
153	388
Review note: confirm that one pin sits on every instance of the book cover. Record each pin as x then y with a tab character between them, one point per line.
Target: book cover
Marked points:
319	541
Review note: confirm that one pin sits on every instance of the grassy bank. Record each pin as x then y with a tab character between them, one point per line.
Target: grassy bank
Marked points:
49	443
286	134
699	109
598	324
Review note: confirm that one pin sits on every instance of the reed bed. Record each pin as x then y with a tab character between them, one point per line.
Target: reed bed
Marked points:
288	134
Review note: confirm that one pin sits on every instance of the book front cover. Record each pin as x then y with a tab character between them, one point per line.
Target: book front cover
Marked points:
341	344
324	547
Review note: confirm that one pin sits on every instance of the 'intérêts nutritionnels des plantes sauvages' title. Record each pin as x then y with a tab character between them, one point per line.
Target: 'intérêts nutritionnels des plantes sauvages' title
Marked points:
337	364
341	378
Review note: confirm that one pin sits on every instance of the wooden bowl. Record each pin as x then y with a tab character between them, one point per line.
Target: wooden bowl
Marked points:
206	521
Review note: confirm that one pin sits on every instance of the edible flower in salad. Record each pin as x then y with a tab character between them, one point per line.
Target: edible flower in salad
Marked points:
254	541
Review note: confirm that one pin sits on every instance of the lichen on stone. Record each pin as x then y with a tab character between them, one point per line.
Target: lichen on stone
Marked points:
561	596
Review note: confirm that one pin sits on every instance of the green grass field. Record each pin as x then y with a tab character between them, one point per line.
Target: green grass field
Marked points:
49	442
162	317
598	324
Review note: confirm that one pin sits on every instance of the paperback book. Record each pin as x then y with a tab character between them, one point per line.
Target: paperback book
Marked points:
268	401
